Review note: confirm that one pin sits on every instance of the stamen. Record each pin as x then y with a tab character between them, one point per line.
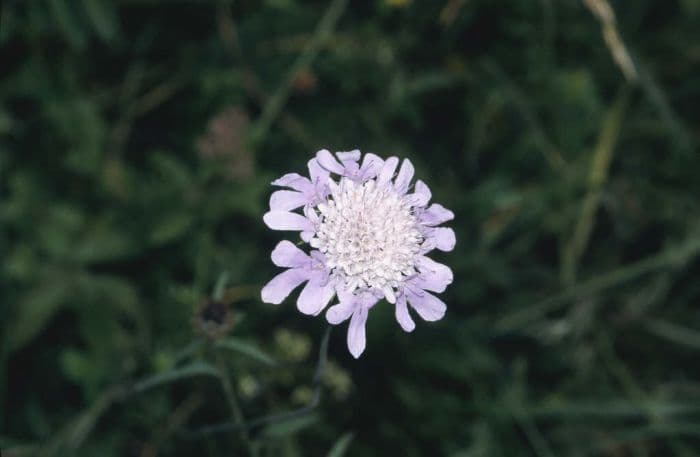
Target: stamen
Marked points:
369	236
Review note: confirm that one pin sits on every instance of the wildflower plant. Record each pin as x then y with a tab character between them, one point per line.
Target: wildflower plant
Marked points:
368	231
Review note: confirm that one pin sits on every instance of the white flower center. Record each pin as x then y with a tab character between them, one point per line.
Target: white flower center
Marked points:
369	236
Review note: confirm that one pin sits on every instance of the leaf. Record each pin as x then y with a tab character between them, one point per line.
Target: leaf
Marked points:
243	347
103	19
75	364
289	427
171	227
675	333
109	290
67	22
172	170
26	450
341	446
7	24
6	122
101	244
36	309
176	374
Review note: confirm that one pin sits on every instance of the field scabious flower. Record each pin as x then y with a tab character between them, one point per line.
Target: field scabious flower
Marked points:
369	231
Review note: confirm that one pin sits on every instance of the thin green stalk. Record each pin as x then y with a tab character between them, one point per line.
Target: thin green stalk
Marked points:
675	333
274	105
598	175
231	41
635	392
673	257
679	133
605	14
220	287
550	151
515	400
72	436
277	417
234	405
3	385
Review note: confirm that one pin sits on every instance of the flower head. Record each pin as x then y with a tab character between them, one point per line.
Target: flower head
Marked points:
213	318
369	232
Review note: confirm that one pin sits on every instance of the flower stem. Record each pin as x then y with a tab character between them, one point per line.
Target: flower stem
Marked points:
234	404
274	418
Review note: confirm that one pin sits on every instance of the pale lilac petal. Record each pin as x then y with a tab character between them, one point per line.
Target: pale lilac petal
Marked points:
340	312
327	161
428	245
318	257
369	299
287	200
402	315
317	173
282	285
356	332
403	180
433	276
436	214
333	187
387	172
349	156
287	255
389	294
283	220
312	215
349	161
428	306
432	281
313	218
422	195
444	238
315	295
352	169
293	181
371	166
307	235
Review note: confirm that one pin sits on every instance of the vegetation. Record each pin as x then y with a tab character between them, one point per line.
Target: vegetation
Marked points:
138	139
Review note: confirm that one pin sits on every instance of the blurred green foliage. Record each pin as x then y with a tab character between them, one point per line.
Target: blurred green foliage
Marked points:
137	142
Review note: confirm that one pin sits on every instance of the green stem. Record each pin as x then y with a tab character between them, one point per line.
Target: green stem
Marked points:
276	103
673	257
3	385
277	417
220	287
234	404
598	175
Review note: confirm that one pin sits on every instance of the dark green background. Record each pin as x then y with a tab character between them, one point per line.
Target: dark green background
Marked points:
137	143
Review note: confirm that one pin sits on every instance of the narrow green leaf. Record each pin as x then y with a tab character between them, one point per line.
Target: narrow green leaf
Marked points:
20	450
176	374
103	18
67	23
6	121
613	408
101	244
289	427
171	227
341	446
220	287
36	310
243	347
675	333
